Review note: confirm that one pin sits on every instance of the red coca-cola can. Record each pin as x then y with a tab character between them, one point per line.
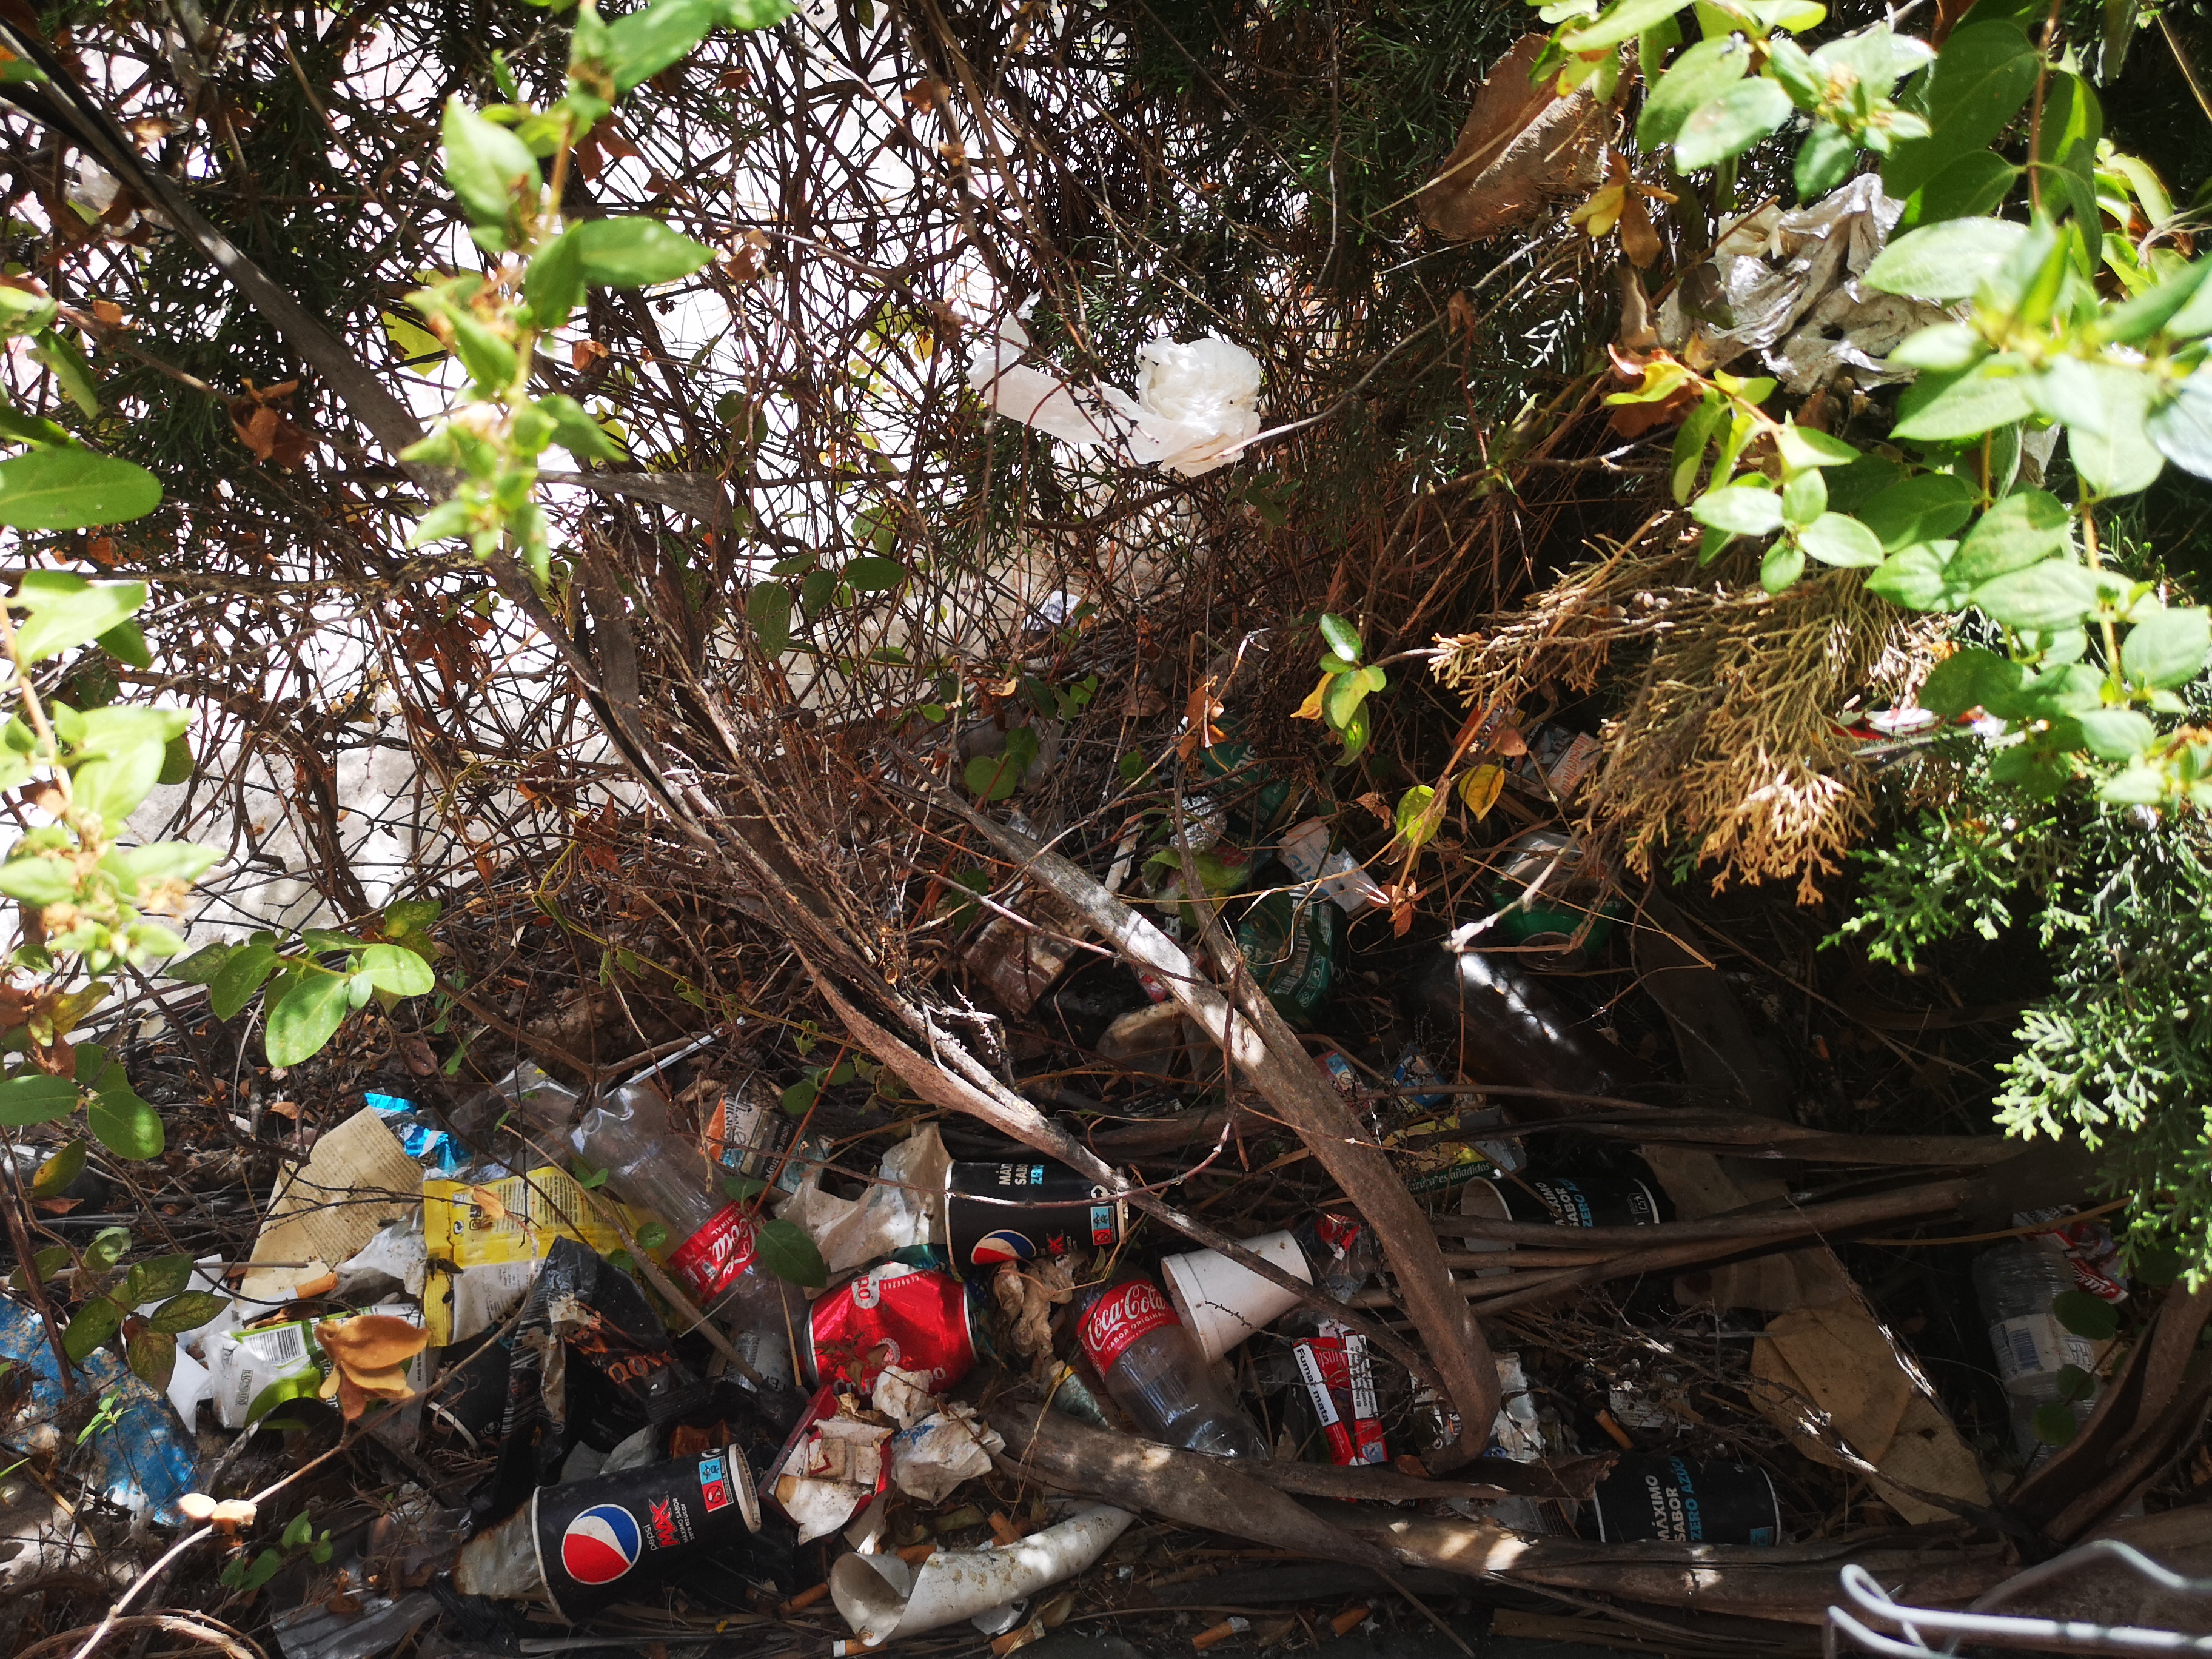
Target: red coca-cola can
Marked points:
919	1319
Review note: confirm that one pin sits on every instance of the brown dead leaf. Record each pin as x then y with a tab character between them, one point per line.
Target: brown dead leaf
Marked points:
1199	714
1144	700
109	314
1510	742
490	1211
1522	148
263	423
421	1059
1638	240
1373	801
371	1342
284	1108
582	354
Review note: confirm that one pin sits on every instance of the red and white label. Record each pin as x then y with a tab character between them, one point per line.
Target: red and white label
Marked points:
893	1314
1337	1365
714	1258
1119	1318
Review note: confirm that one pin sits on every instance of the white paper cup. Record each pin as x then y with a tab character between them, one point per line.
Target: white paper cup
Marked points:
1222	1302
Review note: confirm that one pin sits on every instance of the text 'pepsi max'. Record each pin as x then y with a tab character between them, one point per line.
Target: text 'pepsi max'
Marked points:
1016	1209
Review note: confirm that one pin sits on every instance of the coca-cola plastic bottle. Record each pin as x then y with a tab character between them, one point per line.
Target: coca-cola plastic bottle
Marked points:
1154	1370
651	1169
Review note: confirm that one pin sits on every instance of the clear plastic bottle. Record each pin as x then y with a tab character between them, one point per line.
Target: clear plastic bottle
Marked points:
2017	1283
650	1169
1155	1372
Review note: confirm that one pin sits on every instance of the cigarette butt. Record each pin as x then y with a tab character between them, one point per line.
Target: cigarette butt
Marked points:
914	1554
1220	1632
1350	1619
1004	1529
1620	1435
1017	1638
806	1598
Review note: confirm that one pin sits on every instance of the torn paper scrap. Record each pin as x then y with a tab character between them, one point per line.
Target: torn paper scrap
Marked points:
357	1178
882	1596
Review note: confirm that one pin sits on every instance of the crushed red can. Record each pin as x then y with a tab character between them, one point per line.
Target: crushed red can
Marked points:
915	1318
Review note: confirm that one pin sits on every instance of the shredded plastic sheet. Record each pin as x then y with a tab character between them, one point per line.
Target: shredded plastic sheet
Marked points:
1786	285
145	1461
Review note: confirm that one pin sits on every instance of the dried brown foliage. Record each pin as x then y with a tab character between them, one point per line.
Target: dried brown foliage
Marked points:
1524	147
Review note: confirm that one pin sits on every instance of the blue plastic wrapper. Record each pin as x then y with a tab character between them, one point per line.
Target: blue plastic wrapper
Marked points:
146	1459
419	1139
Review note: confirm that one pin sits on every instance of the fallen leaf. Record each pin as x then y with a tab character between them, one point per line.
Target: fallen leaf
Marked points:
1373	801
284	1108
372	1342
1522	148
490	1211
1310	709
1638	240
1198	714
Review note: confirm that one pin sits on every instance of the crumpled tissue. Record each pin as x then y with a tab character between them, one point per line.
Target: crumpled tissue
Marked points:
1196	406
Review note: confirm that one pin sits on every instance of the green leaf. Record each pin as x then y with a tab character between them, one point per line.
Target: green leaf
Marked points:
991	777
2166	307
67	611
1971	678
96	1322
2167	646
1700	75
1783	564
161	861
153	1356
2085	1315
28	1098
1980	79
2182	427
2107	412
1924	507
35	882
553	282
1731	123
45	1264
1355	735
159	1280
639	46
575	431
1342	700
635	252
1739	510
784	1249
2045	597
202	965
126	643
177	761
869	574
399	971
1947	261
306	1018
1948	408
1341	636
189	1311
1976	183
2117	734
406	916
109	1246
1803	446
1622	22
1804	498
1836	538
2066	137
768	607
2023	528
118	756
2054	1425
1412	825
60	354
1947	348
1914	577
487	166
1824	161
124	1124
53	1177
240	977
75	490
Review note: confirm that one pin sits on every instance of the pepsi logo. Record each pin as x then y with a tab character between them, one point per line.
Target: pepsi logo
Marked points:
601	1544
1004	1245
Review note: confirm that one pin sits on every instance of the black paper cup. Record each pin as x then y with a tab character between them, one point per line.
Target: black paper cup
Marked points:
600	1540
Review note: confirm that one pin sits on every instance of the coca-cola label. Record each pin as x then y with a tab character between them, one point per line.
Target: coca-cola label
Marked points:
1340	1381
1119	1318
714	1258
892	1314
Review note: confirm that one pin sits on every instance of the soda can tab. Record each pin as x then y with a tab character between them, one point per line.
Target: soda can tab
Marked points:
1018	1209
892	1314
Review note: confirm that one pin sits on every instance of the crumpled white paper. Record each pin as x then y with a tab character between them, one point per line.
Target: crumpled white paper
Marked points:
895	1216
929	1459
1786	285
1197	403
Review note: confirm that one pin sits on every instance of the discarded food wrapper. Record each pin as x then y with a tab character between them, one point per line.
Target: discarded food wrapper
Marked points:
895	1214
486	1244
1337	877
420	1138
357	1178
255	1369
833	1463
749	1134
394	1259
882	1596
144	1459
581	1546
